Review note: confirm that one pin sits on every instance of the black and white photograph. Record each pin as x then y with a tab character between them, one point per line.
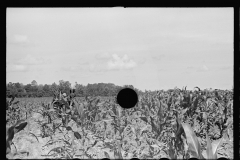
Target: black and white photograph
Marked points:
119	83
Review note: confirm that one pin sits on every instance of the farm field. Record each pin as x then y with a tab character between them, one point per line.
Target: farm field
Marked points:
166	124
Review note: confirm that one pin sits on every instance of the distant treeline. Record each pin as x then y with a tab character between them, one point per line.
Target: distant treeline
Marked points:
35	90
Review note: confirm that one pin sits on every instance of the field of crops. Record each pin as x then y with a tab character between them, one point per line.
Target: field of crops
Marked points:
176	124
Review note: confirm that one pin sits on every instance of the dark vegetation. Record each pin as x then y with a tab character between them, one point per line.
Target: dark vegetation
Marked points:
35	90
175	124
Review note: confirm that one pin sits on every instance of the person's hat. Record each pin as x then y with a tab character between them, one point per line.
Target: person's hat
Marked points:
64	94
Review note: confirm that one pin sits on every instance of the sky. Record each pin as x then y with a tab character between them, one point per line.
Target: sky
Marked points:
149	48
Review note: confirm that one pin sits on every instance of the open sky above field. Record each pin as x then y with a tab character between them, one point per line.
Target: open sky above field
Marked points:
150	48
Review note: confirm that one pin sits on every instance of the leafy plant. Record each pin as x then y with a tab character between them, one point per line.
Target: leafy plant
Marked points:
194	146
11	131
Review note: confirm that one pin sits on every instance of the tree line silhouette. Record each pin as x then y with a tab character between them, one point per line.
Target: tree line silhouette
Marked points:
39	90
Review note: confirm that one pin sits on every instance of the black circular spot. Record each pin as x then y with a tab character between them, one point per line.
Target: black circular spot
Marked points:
127	98
164	159
193	158
134	158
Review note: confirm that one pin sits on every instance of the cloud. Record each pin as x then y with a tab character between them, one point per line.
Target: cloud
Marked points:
103	56
158	57
86	67
120	63
31	60
142	61
16	68
28	63
97	67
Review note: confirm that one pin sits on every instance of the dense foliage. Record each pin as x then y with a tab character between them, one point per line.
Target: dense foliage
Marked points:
35	90
175	124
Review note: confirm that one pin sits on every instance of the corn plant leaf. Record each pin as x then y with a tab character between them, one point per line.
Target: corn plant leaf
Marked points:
184	111
194	146
77	135
68	128
66	142
116	156
79	109
198	88
60	95
160	116
19	122
210	149
57	150
16	102
20	127
171	151
10	133
119	111
144	129
108	145
8	148
144	119
215	146
117	152
229	122
154	127
107	155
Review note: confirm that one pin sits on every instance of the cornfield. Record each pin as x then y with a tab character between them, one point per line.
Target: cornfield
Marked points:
176	124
